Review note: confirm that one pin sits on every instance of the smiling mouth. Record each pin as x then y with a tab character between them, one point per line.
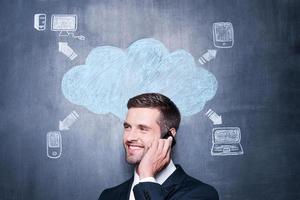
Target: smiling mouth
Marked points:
134	147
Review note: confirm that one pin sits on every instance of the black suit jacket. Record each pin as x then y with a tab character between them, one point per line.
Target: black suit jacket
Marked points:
178	186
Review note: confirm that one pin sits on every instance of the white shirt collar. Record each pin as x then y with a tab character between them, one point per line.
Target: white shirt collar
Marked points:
160	178
165	173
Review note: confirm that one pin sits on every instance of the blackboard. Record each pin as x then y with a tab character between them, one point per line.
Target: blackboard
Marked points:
250	48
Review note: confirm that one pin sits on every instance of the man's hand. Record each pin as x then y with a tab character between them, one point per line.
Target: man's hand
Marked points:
156	158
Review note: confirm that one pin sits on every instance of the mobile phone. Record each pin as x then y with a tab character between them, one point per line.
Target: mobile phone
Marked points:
169	134
223	34
54	144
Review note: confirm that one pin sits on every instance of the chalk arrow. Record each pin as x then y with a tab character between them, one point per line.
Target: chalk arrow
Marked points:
64	48
212	53
68	121
214	117
62	126
208	56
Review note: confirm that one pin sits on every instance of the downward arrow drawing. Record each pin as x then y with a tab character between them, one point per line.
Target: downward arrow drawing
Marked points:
68	121
64	48
214	117
208	56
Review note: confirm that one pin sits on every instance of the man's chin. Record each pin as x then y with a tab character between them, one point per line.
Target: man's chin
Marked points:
132	161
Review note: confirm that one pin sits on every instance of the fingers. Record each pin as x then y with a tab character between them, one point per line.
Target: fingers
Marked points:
164	153
155	158
154	145
170	140
167	144
161	148
167	147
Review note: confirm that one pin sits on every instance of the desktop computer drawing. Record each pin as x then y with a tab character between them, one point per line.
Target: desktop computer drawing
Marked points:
40	20
65	24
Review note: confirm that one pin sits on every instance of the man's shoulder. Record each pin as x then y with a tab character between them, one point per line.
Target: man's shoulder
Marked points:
114	192
194	185
120	186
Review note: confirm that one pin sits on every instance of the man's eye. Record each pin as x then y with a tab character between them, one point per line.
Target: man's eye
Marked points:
126	127
144	129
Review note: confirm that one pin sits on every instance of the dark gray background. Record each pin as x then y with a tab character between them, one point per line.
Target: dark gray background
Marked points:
258	92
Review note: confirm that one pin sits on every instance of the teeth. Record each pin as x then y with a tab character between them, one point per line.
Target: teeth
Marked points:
134	147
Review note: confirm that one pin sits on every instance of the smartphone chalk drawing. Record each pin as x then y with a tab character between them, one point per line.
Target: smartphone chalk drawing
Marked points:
54	144
223	34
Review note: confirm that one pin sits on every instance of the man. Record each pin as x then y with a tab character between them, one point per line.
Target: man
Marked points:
150	118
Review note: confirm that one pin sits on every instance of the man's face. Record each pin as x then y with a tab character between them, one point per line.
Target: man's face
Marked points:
140	129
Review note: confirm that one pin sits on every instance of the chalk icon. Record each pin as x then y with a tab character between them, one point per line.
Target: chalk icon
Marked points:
226	141
68	121
40	20
54	144
214	117
64	48
66	25
208	56
223	34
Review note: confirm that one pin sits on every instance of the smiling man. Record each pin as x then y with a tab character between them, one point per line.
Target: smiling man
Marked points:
149	134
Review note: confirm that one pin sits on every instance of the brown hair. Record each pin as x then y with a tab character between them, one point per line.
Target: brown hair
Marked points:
170	115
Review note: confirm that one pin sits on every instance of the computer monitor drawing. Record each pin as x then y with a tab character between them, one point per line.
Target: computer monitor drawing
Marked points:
64	23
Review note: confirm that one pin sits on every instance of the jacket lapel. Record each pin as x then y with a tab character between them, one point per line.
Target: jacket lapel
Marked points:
124	193
173	183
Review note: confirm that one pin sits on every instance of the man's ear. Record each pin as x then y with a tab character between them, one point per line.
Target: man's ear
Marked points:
173	131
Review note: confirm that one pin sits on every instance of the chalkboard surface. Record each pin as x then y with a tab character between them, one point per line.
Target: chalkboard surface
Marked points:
59	143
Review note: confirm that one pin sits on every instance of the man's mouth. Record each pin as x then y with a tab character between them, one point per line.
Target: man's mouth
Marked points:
134	147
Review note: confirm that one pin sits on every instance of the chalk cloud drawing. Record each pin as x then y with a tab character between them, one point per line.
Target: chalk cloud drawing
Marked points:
54	144
66	25
223	34
65	49
111	76
226	141
40	20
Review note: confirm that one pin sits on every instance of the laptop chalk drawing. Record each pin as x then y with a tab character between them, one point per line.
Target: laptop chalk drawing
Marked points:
226	141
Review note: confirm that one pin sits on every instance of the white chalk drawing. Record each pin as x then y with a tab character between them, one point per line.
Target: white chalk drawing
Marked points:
40	20
110	76
66	25
226	141
208	56
64	48
68	121
214	117
54	144
223	34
